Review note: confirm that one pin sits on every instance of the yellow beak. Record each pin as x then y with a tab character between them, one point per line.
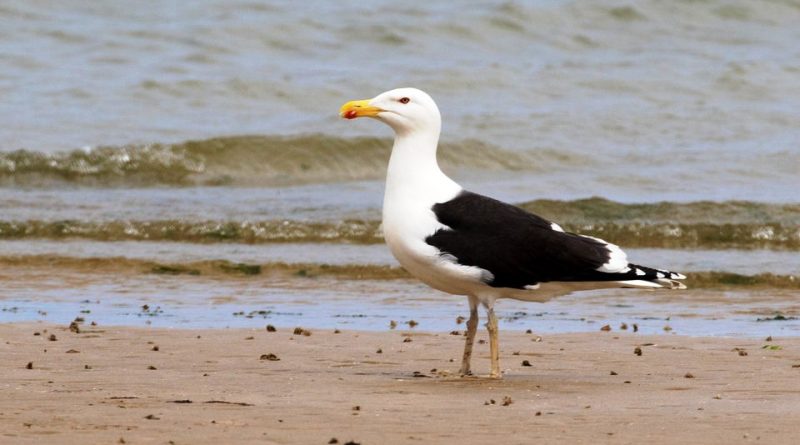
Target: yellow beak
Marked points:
358	108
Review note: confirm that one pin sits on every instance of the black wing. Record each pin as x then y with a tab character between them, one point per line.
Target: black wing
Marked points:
519	248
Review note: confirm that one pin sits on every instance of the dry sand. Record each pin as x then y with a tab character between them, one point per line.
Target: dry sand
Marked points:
211	386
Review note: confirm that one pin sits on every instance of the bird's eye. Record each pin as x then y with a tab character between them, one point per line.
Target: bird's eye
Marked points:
405	100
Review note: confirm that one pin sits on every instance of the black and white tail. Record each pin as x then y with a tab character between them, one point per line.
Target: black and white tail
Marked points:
647	277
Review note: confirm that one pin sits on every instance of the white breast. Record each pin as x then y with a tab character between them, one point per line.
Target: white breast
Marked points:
406	236
414	184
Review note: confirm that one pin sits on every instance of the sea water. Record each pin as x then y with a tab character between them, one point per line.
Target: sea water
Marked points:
183	132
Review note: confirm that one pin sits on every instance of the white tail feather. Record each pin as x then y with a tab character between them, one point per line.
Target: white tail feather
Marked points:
660	283
640	284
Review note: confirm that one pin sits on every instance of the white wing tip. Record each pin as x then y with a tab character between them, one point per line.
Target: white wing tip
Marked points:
639	284
662	283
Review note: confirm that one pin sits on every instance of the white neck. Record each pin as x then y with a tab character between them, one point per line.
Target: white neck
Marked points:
414	177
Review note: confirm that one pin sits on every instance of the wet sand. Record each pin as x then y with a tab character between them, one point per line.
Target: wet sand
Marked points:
139	385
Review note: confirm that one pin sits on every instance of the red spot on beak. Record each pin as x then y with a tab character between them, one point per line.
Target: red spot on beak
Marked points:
350	114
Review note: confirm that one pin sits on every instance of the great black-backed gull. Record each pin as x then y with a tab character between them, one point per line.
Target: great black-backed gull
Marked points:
463	243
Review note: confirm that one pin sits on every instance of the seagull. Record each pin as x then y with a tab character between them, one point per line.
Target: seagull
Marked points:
463	243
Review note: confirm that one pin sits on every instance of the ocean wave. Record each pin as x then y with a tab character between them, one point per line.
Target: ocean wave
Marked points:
770	235
357	231
228	269
585	212
242	160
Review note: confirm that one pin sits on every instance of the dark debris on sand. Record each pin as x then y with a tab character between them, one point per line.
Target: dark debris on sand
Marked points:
777	317
301	331
225	402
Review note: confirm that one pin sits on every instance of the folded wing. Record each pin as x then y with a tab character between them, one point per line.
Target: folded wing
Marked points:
521	249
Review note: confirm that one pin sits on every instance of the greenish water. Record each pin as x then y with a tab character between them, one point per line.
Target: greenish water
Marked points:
190	153
241	160
706	224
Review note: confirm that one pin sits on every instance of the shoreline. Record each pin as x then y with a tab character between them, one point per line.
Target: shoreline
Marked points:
222	294
212	386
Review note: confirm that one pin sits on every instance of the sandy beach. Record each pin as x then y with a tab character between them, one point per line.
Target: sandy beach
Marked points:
139	385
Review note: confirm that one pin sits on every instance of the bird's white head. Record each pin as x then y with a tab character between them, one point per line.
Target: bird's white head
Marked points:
406	110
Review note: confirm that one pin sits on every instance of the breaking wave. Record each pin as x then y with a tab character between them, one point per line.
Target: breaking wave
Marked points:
723	225
228	269
239	160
